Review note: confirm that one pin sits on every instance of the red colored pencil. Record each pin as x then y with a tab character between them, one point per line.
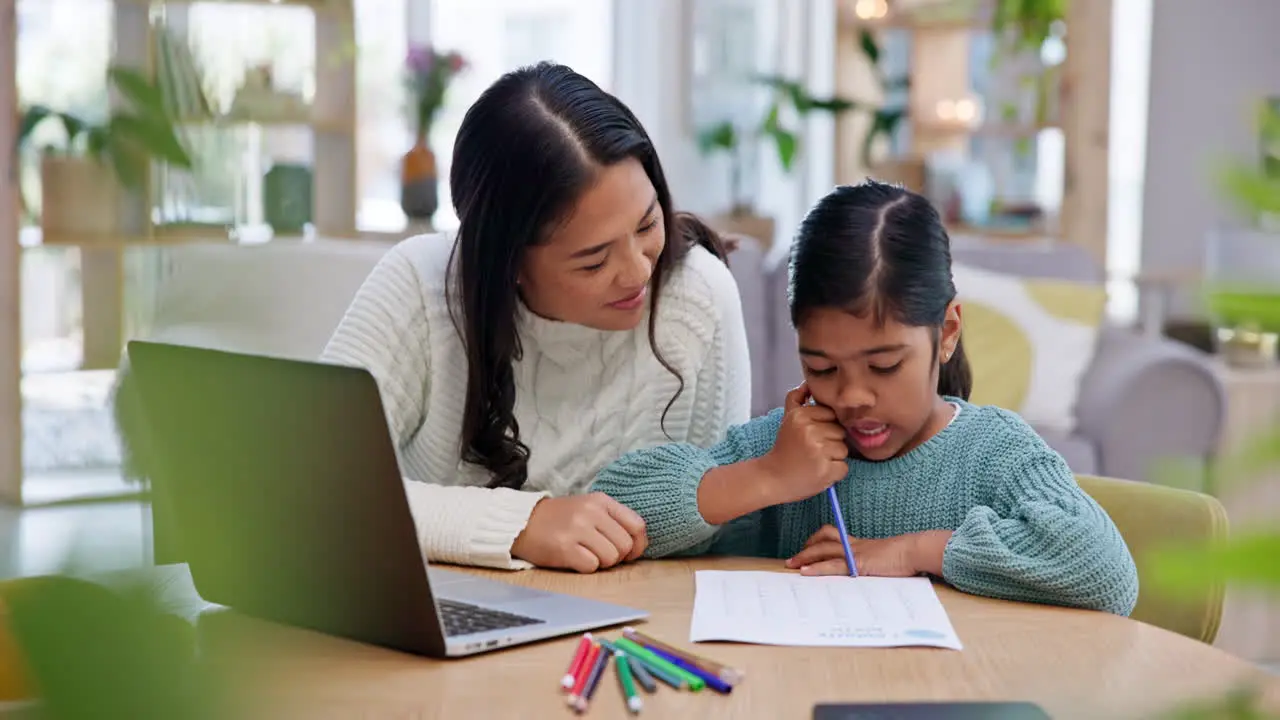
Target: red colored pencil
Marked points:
584	672
571	675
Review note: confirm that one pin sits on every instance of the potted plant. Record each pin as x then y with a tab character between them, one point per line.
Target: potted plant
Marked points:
82	179
428	74
732	139
1243	265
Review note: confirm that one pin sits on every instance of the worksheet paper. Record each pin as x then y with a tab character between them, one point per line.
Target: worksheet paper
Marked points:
773	608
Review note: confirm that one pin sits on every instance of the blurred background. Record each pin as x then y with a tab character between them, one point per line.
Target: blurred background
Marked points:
262	154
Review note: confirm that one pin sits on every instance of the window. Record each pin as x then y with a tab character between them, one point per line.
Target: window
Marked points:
499	35
383	133
62	53
1130	76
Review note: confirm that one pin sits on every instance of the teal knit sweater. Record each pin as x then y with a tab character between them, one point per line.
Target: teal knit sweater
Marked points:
1023	529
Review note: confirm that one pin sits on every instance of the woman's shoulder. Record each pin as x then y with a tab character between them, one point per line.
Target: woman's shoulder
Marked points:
701	285
427	255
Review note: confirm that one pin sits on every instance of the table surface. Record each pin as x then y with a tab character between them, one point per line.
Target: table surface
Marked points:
1073	663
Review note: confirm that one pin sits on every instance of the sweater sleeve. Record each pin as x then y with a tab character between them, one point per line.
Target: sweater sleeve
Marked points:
386	331
661	485
1041	539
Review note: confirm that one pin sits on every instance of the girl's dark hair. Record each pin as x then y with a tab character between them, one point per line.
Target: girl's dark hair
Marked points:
882	250
526	151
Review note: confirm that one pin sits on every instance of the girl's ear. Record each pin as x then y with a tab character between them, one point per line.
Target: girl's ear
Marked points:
950	331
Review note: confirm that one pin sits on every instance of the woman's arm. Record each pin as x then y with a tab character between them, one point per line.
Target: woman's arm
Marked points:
1042	540
386	332
702	313
724	381
684	492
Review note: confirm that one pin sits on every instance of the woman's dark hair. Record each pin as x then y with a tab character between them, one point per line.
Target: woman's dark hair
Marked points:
525	153
882	250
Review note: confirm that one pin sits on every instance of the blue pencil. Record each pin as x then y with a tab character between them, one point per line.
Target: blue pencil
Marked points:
844	532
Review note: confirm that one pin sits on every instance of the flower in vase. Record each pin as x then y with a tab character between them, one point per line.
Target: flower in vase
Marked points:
428	73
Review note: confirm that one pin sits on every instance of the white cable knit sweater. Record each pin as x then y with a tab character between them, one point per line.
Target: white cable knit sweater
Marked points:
584	397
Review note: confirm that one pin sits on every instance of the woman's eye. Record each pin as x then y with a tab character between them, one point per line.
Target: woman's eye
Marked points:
651	225
886	370
819	371
593	268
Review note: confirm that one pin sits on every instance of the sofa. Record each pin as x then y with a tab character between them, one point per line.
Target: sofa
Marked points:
1143	399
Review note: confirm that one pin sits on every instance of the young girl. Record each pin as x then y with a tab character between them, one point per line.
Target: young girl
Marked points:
927	482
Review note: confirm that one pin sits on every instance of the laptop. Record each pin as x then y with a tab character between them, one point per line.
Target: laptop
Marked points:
287	503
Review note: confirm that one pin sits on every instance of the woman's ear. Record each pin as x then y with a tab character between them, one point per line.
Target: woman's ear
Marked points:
950	331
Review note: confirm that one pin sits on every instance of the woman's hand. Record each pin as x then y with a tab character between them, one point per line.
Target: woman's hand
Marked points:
581	532
809	453
899	556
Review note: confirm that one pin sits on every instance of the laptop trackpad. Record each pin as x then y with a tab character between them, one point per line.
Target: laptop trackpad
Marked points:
484	592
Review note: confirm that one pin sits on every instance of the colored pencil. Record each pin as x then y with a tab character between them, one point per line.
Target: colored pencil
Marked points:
571	675
653	661
622	665
712	681
724	672
642	675
676	681
584	674
844	533
602	662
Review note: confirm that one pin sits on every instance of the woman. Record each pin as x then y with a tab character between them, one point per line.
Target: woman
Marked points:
573	318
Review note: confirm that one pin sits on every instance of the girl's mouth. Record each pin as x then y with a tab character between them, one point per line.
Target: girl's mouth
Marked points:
869	435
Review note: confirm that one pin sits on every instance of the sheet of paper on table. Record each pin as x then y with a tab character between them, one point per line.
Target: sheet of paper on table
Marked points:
774	608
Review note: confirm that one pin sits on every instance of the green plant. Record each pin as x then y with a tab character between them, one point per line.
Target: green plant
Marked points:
884	120
141	131
1024	26
1253	188
1247	559
1027	24
729	137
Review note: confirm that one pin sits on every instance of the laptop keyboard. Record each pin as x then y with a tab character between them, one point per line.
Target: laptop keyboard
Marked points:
464	619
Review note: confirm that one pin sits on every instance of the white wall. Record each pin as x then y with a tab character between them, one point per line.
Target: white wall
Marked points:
1210	62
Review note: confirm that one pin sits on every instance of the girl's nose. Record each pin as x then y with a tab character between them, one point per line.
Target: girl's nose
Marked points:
856	395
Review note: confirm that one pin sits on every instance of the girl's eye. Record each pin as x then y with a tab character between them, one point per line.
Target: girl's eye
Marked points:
887	370
819	372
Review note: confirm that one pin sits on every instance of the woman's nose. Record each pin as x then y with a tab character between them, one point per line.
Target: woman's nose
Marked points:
637	269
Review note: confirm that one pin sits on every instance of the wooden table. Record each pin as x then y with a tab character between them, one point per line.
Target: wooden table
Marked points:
1074	663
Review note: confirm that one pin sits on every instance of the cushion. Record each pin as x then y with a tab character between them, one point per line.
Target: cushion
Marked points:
1029	341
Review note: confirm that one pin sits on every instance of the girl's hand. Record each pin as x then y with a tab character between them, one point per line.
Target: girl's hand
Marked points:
809	453
899	556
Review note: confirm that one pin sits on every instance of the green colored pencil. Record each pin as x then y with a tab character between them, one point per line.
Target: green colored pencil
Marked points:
675	681
695	683
623	669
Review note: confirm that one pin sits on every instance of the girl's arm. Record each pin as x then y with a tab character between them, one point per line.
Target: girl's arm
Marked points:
386	332
685	492
1042	539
